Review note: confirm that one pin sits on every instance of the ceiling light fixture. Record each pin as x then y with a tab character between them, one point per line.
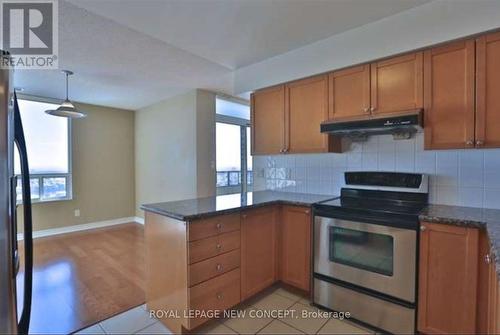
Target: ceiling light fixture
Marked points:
67	109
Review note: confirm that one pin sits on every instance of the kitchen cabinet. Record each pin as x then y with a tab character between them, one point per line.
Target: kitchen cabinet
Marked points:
397	84
449	96
258	250
268	121
387	86
306	106
349	92
296	246
487	88
448	275
192	265
287	118
486	288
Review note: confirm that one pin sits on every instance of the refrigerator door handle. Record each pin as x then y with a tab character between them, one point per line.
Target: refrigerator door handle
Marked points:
19	139
13	211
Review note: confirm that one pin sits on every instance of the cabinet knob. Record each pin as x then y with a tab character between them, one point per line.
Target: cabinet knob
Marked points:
372	109
366	109
219	226
487	259
220	296
469	142
219	267
423	228
307	211
243	216
218	246
282	151
479	143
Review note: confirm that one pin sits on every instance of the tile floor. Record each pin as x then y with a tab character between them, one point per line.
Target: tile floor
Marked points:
137	320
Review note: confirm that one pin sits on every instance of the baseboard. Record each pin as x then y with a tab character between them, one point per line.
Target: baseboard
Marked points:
139	220
80	227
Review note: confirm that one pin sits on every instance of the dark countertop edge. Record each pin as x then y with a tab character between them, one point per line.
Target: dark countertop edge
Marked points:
229	210
453	221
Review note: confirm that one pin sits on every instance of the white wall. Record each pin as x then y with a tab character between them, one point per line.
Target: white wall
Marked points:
457	177
174	149
429	24
205	142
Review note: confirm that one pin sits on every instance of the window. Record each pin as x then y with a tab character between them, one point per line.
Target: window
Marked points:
234	161
48	144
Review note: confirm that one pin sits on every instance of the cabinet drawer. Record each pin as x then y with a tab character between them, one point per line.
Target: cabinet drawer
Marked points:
219	293
204	228
213	267
213	246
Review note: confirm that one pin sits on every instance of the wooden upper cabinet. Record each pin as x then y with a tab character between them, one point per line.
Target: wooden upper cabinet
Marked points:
488	91
397	84
349	92
296	247
268	120
448	275
449	96
306	106
258	250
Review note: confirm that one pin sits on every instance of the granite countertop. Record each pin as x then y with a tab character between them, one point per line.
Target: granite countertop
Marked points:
487	219
191	209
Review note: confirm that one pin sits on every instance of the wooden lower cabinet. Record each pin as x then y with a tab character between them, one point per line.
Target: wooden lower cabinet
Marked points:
296	246
448	277
488	308
258	250
217	262
216	294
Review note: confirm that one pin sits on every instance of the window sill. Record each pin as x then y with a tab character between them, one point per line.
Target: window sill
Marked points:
35	202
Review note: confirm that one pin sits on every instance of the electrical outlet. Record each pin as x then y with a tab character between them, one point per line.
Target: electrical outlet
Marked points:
77	212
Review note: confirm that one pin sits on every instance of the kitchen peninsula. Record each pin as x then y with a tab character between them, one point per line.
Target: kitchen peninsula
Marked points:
213	253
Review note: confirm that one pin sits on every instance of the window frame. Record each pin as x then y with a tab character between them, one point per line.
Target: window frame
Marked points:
40	176
243	124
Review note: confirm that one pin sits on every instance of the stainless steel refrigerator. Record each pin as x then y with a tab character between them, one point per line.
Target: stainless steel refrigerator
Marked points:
11	139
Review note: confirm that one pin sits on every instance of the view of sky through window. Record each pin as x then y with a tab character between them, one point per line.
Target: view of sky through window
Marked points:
46	139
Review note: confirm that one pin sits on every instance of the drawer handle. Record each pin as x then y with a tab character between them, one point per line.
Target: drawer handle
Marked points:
220	296
218	246
219	267
219	226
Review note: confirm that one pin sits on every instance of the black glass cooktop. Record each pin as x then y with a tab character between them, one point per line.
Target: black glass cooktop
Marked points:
388	206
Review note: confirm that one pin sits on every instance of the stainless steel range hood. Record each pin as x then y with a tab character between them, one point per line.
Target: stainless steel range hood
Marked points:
401	125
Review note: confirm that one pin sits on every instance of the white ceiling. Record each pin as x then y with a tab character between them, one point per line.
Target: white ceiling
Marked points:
132	53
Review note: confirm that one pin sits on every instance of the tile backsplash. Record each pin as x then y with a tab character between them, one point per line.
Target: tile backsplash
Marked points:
457	177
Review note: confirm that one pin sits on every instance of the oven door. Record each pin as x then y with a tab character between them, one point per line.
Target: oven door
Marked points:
376	257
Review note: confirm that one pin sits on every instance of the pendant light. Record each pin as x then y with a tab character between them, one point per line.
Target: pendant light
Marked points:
67	109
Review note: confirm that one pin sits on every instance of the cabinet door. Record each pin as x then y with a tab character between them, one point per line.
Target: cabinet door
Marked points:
449	96
447	279
268	120
258	250
296	246
306	107
349	94
486	288
487	91
397	84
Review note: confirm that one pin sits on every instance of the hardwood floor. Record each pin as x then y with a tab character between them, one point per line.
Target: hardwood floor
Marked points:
82	278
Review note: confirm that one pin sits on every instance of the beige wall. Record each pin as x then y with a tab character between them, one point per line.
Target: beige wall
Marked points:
103	171
175	149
